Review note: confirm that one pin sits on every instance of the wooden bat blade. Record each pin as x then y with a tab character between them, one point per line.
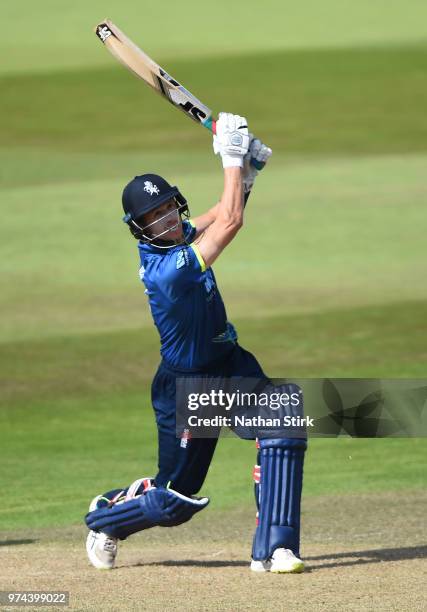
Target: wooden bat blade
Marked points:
127	52
145	68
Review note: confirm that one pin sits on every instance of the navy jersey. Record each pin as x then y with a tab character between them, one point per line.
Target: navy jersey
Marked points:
186	305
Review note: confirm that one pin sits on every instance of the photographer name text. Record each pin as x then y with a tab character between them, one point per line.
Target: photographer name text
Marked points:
255	421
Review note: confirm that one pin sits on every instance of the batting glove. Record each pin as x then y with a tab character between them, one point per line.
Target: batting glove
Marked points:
261	153
231	140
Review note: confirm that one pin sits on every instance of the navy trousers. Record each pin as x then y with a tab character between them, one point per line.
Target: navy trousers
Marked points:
185	466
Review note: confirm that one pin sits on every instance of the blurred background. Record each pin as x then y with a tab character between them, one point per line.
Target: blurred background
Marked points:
327	278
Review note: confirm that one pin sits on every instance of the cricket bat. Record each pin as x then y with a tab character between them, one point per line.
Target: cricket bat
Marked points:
138	62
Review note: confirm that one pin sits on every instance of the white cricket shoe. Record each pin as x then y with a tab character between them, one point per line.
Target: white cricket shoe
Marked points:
282	561
101	550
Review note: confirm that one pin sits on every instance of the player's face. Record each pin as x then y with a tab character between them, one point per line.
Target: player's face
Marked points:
164	220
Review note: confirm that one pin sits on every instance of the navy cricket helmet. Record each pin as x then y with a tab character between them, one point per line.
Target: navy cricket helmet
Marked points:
146	193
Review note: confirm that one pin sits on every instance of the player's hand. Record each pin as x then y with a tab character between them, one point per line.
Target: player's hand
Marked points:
261	153
231	140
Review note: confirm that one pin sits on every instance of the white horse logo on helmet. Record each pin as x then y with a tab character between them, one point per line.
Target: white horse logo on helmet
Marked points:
150	188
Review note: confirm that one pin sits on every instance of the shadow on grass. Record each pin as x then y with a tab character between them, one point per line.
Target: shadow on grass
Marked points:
358	557
193	563
16	542
361	557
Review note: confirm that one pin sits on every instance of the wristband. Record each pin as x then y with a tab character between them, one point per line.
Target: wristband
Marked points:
232	161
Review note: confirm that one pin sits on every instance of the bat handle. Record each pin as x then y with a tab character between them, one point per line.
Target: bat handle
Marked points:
210	124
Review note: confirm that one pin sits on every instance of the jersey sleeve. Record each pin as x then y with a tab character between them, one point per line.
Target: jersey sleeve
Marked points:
189	230
180	270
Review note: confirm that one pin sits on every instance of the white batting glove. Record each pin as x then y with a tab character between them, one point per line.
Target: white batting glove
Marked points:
261	153
231	140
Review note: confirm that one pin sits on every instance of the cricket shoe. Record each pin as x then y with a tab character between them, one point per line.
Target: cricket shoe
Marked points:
101	550
282	561
100	547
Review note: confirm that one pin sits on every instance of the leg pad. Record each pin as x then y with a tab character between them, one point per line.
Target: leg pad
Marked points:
279	494
155	507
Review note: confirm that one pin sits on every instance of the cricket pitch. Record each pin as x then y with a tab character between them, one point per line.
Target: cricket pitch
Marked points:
362	552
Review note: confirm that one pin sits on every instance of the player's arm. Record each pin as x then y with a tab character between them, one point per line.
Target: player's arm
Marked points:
258	151
228	220
202	222
232	143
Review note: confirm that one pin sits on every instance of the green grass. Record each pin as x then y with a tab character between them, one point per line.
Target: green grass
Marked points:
319	235
60	35
306	101
374	341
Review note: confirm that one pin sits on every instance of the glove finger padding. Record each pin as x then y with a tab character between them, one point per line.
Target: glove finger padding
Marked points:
255	147
229	121
261	153
264	154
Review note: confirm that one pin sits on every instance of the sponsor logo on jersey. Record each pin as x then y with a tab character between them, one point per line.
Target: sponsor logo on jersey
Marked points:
150	188
182	259
210	285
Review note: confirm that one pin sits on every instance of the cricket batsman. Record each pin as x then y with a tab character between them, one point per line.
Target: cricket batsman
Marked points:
197	339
